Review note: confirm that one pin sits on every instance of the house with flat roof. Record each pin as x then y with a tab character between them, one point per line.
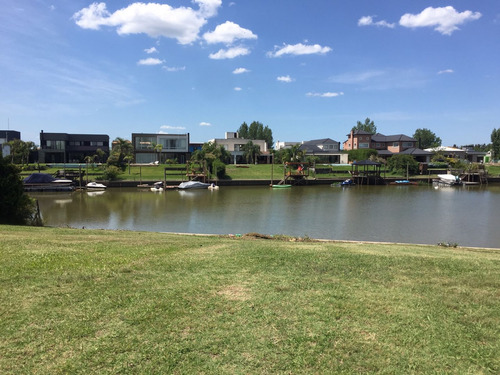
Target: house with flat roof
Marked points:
7	136
70	148
158	147
235	146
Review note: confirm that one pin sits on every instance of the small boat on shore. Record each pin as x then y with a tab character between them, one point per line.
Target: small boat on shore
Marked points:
157	187
347	182
283	186
95	186
46	182
193	185
403	182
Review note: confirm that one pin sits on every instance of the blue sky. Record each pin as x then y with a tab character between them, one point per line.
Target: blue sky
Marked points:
308	69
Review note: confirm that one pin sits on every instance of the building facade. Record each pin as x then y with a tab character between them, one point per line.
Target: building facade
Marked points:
150	148
70	148
235	146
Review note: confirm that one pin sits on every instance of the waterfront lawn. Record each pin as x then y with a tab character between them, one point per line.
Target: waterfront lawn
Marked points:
94	301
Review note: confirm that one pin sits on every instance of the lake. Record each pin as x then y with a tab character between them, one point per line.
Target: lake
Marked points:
465	215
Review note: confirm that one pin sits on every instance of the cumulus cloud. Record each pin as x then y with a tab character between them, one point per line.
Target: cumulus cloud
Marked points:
203	123
446	71
238	89
298	49
150	50
368	21
230	53
285	79
228	33
445	19
150	61
240	71
325	94
155	20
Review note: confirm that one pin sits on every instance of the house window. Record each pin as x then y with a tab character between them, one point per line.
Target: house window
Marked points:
378	145
364	145
407	144
395	144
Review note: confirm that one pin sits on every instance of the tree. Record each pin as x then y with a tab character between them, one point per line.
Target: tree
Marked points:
426	138
293	154
495	143
16	207
403	164
256	130
367	126
121	149
252	151
361	154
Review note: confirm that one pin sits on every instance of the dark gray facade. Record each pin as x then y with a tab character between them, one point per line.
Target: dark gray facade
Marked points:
70	148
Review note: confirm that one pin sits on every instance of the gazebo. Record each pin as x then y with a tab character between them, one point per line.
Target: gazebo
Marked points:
366	172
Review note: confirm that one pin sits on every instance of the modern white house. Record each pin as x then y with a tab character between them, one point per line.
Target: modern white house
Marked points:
150	147
234	145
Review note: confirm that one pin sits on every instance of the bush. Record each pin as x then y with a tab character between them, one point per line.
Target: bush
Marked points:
401	164
218	167
111	172
16	207
361	154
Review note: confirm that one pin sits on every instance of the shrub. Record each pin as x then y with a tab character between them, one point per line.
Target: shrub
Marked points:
111	172
361	154
402	164
218	167
16	207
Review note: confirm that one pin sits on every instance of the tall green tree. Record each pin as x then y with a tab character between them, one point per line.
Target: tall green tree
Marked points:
20	151
256	130
426	138
367	126
16	207
495	143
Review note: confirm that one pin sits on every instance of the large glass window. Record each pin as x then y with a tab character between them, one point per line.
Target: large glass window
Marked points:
144	143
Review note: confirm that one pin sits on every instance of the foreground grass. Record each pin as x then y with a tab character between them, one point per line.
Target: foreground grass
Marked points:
90	301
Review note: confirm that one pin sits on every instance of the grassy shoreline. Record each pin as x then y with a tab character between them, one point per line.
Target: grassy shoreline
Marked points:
86	301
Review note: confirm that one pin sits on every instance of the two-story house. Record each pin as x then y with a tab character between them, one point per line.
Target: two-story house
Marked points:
326	149
151	147
235	146
70	148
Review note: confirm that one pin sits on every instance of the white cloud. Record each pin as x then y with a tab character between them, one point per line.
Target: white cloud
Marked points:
150	61
446	71
203	123
151	50
445	19
238	89
368	21
325	94
299	49
155	20
354	78
230	53
227	33
285	79
168	127
174	68
240	71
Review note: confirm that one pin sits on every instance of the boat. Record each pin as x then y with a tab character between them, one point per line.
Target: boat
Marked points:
157	187
193	185
448	179
403	182
347	182
46	182
212	186
283	186
95	186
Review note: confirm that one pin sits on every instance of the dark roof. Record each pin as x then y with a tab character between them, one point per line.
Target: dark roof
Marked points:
392	138
359	132
319	141
415	151
384	152
366	162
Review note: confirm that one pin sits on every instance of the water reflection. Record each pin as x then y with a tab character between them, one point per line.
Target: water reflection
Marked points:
412	214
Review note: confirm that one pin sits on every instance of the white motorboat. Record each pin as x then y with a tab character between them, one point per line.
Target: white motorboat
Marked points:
95	186
157	187
449	179
193	185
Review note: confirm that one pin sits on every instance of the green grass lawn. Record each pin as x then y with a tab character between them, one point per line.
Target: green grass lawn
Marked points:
93	301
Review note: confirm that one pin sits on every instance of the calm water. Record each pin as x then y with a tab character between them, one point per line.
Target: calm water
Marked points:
414	214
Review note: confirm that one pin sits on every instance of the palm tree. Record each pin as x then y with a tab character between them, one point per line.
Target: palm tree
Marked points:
251	152
121	149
